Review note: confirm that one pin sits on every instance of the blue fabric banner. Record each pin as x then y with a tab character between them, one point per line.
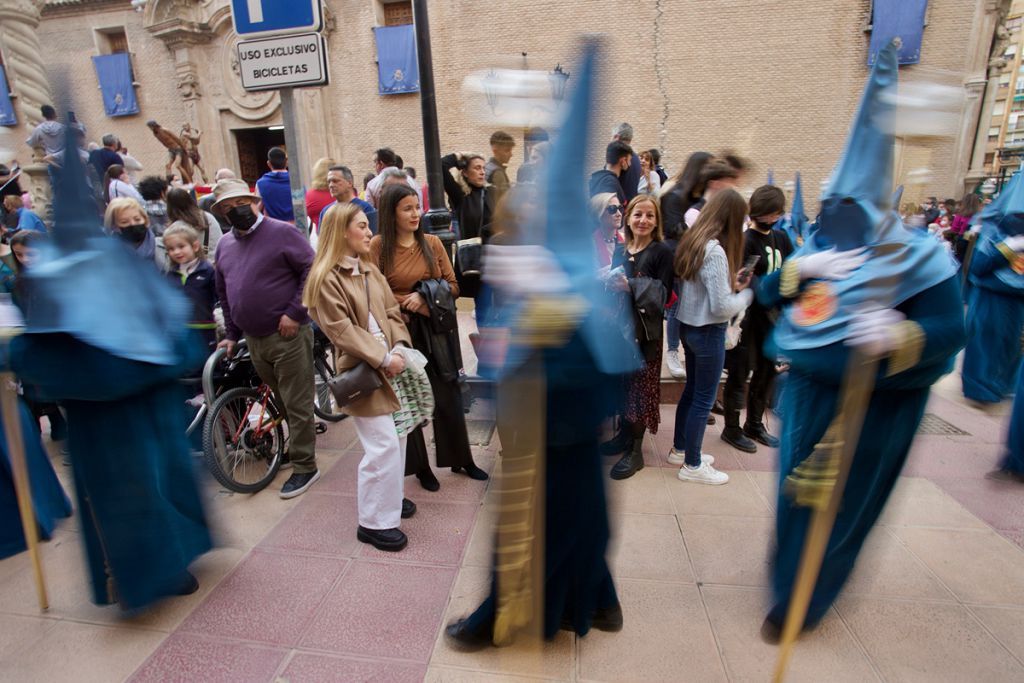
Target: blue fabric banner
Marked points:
7	116
903	19
397	68
114	73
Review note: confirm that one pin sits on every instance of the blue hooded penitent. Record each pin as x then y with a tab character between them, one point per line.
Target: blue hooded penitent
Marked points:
855	212
568	231
795	224
95	288
1002	218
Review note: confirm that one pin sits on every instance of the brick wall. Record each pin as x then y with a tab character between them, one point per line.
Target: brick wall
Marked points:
775	80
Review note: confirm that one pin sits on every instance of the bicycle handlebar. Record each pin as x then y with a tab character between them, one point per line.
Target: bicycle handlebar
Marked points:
209	390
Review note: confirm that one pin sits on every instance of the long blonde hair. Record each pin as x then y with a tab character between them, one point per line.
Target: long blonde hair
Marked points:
721	219
330	250
320	169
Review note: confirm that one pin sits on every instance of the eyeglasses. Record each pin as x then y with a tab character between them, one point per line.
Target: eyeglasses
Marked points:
612	210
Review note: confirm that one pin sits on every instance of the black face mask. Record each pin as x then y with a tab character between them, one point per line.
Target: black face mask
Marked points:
764	227
241	217
134	234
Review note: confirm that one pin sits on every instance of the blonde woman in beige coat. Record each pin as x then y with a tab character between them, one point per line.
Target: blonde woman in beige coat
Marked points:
340	284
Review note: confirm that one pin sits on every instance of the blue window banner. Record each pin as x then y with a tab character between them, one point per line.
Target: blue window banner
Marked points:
114	73
7	115
397	68
903	19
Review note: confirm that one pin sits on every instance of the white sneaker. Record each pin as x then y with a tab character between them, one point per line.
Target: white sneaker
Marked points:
675	368
679	458
705	474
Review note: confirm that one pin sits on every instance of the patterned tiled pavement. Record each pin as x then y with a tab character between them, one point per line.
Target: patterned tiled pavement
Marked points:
290	595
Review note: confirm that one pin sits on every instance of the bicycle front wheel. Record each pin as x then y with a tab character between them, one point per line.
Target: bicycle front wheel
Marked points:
325	405
243	444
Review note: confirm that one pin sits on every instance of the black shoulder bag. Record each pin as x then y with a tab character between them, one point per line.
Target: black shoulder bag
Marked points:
358	381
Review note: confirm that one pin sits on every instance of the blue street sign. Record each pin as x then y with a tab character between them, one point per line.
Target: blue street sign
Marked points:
276	17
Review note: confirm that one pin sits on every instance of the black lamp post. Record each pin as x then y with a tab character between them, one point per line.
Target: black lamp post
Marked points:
438	219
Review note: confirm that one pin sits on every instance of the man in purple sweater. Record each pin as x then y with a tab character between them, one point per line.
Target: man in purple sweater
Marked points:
262	266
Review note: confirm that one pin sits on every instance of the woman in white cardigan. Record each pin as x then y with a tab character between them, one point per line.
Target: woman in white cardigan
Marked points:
714	289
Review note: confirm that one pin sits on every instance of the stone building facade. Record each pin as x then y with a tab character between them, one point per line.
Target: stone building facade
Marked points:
775	80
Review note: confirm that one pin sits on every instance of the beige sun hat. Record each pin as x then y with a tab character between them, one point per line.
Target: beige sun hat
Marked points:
230	188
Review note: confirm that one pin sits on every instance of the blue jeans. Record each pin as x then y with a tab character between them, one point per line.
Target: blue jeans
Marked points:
704	349
672	323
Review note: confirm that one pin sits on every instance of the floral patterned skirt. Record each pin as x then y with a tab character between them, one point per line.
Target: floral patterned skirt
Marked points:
643	395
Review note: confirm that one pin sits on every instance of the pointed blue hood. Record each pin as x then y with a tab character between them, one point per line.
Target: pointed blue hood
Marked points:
860	188
566	229
855	213
897	197
94	287
1000	219
795	224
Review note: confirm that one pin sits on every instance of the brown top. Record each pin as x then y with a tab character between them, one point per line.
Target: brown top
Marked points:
409	266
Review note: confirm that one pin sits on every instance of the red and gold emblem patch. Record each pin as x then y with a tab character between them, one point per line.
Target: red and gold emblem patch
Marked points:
817	304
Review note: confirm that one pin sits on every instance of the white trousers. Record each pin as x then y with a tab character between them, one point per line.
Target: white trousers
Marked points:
381	472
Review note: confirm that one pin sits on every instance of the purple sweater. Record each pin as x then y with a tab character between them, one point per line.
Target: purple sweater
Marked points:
260	277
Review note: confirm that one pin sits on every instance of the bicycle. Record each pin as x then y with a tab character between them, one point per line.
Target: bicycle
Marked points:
325	406
243	430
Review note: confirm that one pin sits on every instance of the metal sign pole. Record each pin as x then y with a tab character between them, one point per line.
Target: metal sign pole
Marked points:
295	161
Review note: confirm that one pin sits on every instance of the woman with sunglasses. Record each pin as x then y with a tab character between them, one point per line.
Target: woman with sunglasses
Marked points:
606	210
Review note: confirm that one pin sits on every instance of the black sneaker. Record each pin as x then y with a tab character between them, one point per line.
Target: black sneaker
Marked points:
298	484
465	639
717	408
735	437
189	585
408	508
760	434
608	619
388	540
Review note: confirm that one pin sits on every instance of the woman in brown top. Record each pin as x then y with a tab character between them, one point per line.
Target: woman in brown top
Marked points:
406	255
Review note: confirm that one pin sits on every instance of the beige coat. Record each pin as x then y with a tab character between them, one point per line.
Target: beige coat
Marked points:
341	314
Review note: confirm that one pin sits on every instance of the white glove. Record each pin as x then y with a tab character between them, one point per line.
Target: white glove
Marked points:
1015	242
831	264
523	270
871	331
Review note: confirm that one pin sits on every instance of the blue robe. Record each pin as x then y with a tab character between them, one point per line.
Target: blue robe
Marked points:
1013	461
894	412
995	321
48	498
141	516
577	580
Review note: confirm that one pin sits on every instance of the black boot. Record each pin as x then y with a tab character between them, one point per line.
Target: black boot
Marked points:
760	434
618	443
735	437
631	463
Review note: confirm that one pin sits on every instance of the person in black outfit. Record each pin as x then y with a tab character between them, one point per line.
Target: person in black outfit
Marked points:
644	255
617	158
630	177
472	205
772	246
687	190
